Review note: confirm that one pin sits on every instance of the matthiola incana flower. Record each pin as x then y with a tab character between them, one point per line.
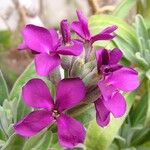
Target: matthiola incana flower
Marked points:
115	80
36	94
48	46
82	29
107	61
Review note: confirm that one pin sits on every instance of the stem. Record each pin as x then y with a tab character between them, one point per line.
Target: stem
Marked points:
88	48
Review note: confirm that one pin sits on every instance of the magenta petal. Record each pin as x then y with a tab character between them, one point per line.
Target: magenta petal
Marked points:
65	31
33	123
77	27
116	105
84	23
125	79
101	36
109	29
106	89
104	34
70	131
115	56
55	42
46	63
37	38
22	46
69	93
102	57
102	113
36	94
74	49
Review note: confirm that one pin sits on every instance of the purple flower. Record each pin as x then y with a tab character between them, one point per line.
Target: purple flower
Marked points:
36	94
116	78
82	29
111	100
107	61
47	44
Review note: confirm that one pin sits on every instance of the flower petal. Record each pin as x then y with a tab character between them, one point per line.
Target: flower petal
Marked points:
55	41
69	93
107	90
115	56
33	123
45	63
102	113
22	46
104	34
102	57
70	131
116	105
36	94
77	27
125	79
109	29
65	31
74	49
84	23
37	38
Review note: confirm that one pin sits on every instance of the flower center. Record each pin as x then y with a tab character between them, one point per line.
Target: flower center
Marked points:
55	113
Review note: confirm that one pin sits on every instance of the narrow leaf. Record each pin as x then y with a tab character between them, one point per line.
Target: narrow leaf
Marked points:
3	89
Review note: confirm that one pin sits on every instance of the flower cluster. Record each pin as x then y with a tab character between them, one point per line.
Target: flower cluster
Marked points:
48	46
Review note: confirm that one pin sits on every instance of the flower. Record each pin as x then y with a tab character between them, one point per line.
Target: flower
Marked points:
107	61
116	78
48	46
82	29
36	94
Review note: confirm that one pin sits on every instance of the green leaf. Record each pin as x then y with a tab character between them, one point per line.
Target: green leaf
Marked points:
3	89
15	142
147	121
123	9
141	137
41	141
125	35
142	32
28	74
100	138
138	113
25	76
21	110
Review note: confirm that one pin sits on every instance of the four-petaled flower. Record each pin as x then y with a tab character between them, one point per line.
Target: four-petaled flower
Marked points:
115	80
36	94
48	46
82	29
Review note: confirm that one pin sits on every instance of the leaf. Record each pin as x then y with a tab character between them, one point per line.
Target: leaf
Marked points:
147	121
125	31
28	74
100	138
138	113
142	32
21	111
41	141
122	10
3	89
141	137
15	142
25	76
